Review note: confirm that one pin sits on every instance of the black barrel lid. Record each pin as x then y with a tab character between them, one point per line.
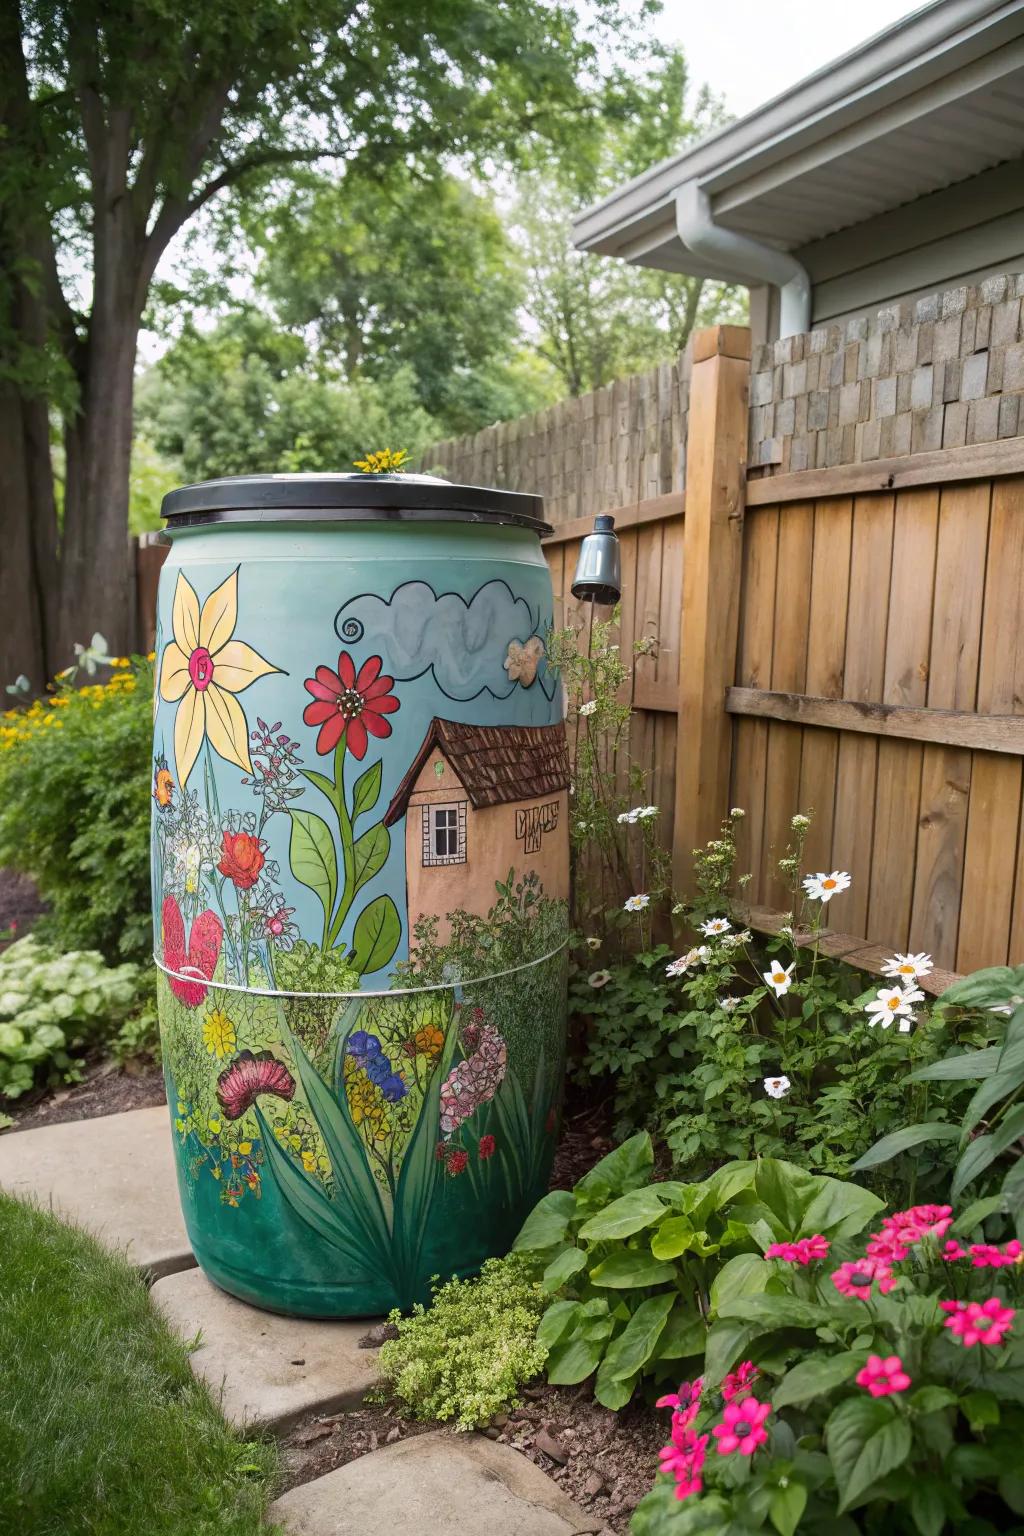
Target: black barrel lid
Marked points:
326	498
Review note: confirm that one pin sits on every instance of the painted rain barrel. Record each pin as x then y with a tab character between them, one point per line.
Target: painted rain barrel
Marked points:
360	877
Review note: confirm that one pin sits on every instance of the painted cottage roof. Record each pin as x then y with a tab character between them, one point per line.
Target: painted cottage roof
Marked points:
496	763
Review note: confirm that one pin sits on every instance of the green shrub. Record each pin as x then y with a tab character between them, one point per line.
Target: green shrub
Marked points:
52	1005
466	1357
638	1265
75	778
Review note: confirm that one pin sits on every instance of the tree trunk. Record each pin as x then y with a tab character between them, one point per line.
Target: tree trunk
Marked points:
28	565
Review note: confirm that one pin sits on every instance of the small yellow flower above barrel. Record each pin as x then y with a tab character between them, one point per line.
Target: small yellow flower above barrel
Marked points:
202	669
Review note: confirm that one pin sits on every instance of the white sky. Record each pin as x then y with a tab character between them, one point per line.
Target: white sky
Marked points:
750	50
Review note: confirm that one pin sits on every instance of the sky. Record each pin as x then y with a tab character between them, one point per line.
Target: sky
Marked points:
750	50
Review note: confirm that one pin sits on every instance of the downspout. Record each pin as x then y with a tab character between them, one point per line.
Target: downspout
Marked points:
743	260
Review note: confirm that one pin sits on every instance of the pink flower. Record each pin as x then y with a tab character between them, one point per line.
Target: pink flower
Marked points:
684	1460
884	1248
240	1085
882	1377
739	1380
991	1256
975	1323
742	1427
199	961
953	1251
688	1394
857	1278
804	1251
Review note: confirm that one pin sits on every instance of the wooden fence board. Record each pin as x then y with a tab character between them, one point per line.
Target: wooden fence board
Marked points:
826	660
754	670
789	671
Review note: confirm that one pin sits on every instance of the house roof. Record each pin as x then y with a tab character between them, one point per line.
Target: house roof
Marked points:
931	101
496	763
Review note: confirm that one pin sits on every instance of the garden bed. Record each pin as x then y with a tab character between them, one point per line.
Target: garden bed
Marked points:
105	1089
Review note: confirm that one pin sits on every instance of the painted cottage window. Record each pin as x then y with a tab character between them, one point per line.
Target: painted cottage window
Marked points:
444	833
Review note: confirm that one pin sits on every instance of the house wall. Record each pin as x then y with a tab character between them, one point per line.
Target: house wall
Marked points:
491	849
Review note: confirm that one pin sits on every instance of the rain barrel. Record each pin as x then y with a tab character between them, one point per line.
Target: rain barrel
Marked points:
360	880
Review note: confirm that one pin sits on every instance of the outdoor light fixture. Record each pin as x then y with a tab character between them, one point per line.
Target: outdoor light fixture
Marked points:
598	576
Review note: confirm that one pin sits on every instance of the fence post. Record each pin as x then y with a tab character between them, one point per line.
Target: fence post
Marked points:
716	466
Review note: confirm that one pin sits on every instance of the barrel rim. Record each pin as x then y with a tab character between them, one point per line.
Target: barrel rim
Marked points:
266	499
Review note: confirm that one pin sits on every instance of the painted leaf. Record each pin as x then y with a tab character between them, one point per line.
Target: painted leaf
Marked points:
377	932
370	854
421	1172
866	1440
312	858
309	1200
367	790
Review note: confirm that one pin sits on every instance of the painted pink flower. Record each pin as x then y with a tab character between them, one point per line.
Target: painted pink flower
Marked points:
742	1427
857	1277
978	1323
882	1377
737	1381
474	1081
249	1076
347	706
198	959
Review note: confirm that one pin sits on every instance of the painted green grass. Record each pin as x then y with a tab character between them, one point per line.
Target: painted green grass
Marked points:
103	1429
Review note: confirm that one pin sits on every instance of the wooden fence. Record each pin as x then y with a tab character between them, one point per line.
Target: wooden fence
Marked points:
846	642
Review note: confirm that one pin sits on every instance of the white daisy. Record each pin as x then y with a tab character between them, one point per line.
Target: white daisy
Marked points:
636	903
589	707
777	1087
626	818
908	967
729	1004
822	887
715	926
892	1003
677	967
779	977
645	812
593	943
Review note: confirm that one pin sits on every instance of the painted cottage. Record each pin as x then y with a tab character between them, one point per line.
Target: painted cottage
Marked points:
481	799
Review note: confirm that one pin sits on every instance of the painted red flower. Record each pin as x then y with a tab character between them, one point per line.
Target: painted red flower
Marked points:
198	959
457	1161
241	1084
347	706
485	1147
242	860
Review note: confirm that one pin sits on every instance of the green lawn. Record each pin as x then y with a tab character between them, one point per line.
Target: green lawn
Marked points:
103	1429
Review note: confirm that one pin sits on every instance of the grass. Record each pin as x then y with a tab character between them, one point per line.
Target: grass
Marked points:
104	1431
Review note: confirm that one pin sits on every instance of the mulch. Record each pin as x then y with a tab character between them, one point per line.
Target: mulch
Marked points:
105	1089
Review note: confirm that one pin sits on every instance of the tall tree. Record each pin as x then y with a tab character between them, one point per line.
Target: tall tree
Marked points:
598	318
119	121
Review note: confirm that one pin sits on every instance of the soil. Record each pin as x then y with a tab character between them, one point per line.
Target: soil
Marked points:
20	905
105	1089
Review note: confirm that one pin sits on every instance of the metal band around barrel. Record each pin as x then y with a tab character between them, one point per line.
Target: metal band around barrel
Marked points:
437	986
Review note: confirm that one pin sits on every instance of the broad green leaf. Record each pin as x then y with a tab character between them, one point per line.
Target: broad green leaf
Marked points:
627	1268
638	1341
613	1391
568	1263
958	1069
369	855
547	1223
999	1086
745	1274
1011	1490
728	1341
787	1506
903	1140
672	1238
980	1409
571	1363
725	1184
366	792
993	987
932	1399
627	1167
817	1375
927	1507
866	1440
786	1190
840	1209
981	1153
977	1212
626	1215
312	858
556	1322
685	1333
776	1312
376	935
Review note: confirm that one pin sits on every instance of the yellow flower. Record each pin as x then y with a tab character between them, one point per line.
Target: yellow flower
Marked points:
309	1162
202	669
219	1038
383	463
244	1148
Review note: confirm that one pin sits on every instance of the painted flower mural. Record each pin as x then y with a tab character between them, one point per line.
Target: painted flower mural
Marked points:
346	704
195	962
248	1077
202	669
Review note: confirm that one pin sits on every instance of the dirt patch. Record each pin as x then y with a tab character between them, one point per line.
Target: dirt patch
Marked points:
20	906
324	1441
106	1089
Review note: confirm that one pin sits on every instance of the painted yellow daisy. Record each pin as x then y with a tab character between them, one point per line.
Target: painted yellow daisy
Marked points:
202	669
219	1034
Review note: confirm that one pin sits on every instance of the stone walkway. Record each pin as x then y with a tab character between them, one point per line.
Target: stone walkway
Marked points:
115	1176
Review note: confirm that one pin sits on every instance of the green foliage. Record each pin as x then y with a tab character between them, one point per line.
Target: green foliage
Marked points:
637	1265
991	1131
466	1357
75	776
104	1429
53	1004
935	1448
